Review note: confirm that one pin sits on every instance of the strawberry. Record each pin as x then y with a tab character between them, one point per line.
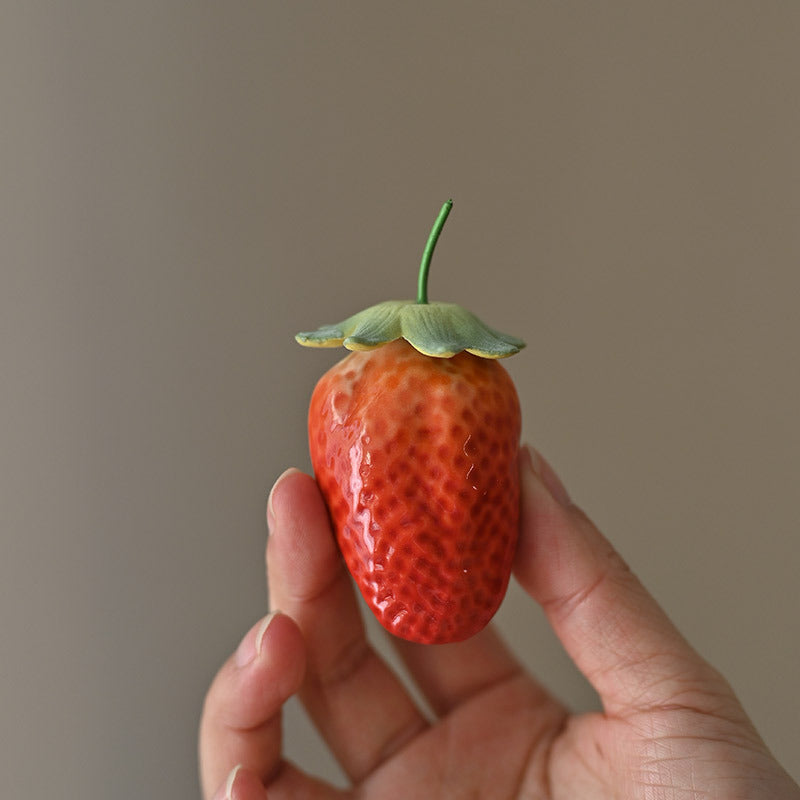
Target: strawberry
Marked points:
414	441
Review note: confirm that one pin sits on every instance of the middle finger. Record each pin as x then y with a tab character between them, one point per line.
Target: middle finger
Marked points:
451	674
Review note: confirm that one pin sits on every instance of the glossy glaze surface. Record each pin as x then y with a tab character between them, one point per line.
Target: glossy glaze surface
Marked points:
417	460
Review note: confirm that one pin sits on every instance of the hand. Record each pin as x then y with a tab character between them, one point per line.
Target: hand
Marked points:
671	728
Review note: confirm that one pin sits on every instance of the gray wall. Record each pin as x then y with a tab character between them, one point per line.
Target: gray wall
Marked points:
185	185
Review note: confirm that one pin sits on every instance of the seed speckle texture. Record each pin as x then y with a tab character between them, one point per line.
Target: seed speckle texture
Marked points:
416	459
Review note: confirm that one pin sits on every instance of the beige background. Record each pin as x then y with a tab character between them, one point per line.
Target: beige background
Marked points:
184	185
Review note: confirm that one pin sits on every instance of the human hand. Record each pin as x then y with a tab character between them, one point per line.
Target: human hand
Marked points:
671	727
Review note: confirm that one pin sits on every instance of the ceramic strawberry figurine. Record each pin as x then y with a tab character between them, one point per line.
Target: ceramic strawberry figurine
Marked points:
414	440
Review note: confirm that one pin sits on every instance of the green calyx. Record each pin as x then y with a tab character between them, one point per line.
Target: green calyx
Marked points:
435	329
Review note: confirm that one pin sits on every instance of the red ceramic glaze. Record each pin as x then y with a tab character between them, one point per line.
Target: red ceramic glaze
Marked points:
417	460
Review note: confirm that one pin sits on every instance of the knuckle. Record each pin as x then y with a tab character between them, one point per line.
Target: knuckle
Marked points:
345	664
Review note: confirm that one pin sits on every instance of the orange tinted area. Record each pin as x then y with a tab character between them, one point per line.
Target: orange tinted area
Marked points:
417	460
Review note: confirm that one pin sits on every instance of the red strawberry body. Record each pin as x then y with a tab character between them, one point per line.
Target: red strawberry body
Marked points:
417	460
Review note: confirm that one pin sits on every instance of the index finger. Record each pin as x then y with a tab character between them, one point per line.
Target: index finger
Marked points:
360	707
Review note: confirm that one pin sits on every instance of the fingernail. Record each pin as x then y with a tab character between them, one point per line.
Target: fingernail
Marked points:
250	646
270	509
225	792
231	780
533	460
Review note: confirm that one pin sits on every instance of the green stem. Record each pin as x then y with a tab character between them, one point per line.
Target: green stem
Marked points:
424	267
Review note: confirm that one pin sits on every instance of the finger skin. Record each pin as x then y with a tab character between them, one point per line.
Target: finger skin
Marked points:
449	675
609	624
360	707
289	784
241	715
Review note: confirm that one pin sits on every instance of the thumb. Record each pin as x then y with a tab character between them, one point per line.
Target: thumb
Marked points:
609	624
